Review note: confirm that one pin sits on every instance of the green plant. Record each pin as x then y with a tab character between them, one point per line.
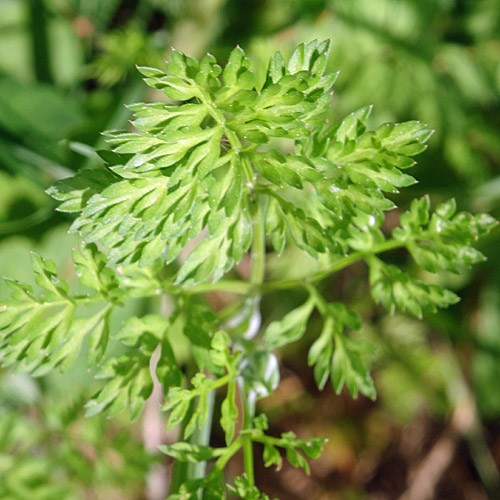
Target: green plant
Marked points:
51	452
232	163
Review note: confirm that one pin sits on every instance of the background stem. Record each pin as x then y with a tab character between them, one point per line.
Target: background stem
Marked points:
201	436
249	411
180	469
258	245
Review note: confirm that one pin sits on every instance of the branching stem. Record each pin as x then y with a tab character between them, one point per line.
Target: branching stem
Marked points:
246	288
219	117
256	280
248	459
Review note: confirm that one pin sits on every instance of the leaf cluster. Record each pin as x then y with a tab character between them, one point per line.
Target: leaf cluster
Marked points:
199	165
233	158
334	353
40	332
296	451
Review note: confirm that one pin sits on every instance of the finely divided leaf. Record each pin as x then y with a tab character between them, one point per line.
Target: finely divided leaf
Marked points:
290	328
349	367
336	355
40	333
129	377
394	288
443	239
190	165
187	452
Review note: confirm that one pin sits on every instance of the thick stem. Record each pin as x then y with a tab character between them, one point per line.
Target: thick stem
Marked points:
248	459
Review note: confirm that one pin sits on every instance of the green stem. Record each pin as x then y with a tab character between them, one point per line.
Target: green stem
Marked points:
219	117
265	439
184	471
233	286
248	459
246	288
336	266
220	464
258	246
256	280
248	403
320	302
196	470
220	382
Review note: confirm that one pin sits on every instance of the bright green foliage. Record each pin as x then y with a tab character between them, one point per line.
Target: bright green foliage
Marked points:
212	486
295	450
232	161
442	240
180	399
336	354
243	488
40	332
194	164
290	328
406	83
438	241
333	353
394	288
256	369
91	270
130	381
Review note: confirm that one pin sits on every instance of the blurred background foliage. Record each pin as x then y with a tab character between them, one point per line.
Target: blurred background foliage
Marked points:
67	68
